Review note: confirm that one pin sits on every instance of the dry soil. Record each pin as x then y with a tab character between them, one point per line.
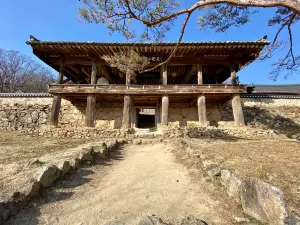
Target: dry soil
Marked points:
140	180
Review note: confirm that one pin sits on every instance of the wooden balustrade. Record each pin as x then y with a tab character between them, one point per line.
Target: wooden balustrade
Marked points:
145	89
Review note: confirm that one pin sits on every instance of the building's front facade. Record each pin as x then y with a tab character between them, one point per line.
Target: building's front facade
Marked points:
186	91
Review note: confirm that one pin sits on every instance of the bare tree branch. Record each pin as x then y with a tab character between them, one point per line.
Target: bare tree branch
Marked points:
157	16
20	73
175	48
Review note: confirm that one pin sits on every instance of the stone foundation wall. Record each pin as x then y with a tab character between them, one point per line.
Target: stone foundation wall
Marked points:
188	117
72	115
24	113
262	113
31	114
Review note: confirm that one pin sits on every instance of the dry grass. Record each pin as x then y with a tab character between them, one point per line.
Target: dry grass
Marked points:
16	151
274	161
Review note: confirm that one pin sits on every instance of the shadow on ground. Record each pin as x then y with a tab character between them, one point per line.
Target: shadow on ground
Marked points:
30	214
259	117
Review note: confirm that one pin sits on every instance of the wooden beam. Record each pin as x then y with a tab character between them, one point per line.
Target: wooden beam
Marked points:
237	110
200	74
189	74
86	73
94	74
72	74
188	60
126	112
77	71
164	110
75	60
105	72
147	89
54	115
158	112
202	111
90	111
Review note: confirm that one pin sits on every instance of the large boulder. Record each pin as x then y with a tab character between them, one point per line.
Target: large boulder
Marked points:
4	213
47	175
292	220
64	167
100	149
31	190
111	144
86	154
263	201
213	170
74	163
232	184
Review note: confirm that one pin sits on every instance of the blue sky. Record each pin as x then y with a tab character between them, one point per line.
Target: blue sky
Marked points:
57	20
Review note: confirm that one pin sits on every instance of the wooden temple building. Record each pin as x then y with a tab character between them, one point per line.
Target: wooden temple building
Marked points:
194	78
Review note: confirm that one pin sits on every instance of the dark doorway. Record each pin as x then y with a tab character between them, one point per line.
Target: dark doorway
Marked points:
145	118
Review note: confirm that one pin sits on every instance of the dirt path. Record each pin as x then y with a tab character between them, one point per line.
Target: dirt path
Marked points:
146	180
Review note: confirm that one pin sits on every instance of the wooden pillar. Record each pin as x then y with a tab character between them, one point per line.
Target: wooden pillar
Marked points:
237	110
55	110
126	112
54	115
94	73
91	100
233	75
90	111
158	113
61	72
127	81
216	79
200	74
202	111
164	74
164	110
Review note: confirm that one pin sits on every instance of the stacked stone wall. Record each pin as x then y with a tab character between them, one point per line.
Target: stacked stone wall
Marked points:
31	114
265	113
72	115
24	113
188	117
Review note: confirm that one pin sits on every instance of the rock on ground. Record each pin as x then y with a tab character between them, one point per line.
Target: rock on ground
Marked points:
47	175
232	184
263	201
213	170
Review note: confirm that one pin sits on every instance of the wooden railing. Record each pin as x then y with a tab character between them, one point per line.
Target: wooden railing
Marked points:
145	89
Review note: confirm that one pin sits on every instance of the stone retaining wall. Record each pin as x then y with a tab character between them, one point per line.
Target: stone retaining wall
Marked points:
277	114
188	117
32	114
24	113
51	169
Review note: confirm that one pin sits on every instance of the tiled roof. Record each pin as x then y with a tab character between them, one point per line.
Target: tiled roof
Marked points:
262	42
235	48
25	95
279	89
272	96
